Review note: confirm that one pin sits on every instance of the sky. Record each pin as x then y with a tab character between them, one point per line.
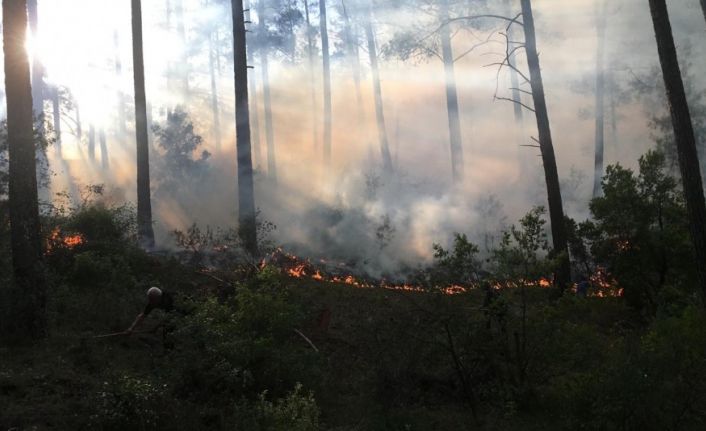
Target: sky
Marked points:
80	40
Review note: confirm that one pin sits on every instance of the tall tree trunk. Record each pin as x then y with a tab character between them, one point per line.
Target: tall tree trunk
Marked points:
37	69
354	57
683	134
92	143
181	32
144	204
27	313
556	209
214	92
327	83
456	144
377	90
105	160
703	7
252	97
267	102
246	198
600	104
56	115
312	76
122	128
514	81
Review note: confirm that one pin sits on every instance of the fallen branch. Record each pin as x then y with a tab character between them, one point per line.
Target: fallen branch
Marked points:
307	340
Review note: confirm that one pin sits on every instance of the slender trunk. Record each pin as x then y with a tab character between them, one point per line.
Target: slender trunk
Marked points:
144	204
600	105
556	209
377	90
37	69
703	7
26	315
181	32
105	161
56	114
514	81
456	144
246	198
683	134
92	143
122	128
269	130
354	57
327	83
214	93
252	97
79	128
312	76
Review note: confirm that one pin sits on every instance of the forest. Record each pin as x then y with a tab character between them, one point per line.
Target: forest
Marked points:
305	215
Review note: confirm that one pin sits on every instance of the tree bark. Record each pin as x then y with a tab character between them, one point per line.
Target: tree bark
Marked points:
37	69
600	104
92	143
144	204
122	128
354	58
327	83
105	160
312	76
56	115
377	90
556	209
683	134
183	67
252	96
452	110
214	93
703	8
27	314
246	198
267	100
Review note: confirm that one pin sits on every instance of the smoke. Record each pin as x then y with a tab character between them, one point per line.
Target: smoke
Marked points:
382	223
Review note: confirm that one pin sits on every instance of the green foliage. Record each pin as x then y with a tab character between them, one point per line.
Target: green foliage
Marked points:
127	403
639	233
458	266
297	411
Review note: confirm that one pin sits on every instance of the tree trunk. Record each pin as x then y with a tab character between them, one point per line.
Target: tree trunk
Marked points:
683	134
37	69
267	102
327	83
452	111
56	114
105	161
122	128
246	198
183	67
377	90
514	81
144	204
214	92
27	313
703	7
556	209
354	57
92	143
312	76
252	98
600	105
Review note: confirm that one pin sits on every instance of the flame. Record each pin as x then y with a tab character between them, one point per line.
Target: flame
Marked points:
57	239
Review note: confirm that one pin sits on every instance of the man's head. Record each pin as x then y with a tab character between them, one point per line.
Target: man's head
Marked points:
154	295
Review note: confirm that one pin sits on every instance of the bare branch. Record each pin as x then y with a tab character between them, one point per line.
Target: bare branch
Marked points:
514	101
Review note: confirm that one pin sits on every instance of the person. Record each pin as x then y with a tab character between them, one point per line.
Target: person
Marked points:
156	299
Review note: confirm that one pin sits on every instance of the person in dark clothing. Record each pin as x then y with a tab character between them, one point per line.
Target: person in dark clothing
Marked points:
156	299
